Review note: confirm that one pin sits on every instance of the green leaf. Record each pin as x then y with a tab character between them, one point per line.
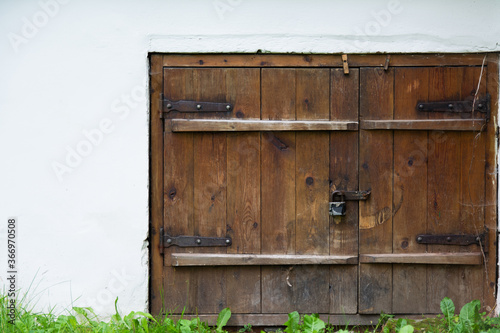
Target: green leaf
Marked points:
469	316
292	325
116	317
458	328
223	318
406	329
313	324
400	324
448	308
145	325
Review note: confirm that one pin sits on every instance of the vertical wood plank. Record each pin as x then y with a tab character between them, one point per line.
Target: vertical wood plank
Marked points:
312	164
210	163
303	94
278	153
243	192
278	188
491	179
156	183
472	188
243	211
375	174
443	189
311	285
278	193
410	191
344	97
179	195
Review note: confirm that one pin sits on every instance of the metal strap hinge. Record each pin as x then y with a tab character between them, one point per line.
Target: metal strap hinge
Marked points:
481	105
456	239
193	106
192	241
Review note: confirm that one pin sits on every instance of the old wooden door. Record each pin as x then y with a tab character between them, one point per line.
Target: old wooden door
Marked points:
256	171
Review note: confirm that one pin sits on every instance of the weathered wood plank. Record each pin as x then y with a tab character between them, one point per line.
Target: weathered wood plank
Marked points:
156	184
210	154
179	287
221	125
243	91
277	186
472	188
311	284
344	97
376	174
278	192
278	153
214	259
312	164
243	192
443	186
279	319
464	258
410	191
320	60
490	282
424	124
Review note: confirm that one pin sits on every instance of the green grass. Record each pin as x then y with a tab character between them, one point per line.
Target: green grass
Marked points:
24	319
85	320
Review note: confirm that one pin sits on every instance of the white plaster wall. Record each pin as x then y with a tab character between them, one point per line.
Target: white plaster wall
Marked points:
69	67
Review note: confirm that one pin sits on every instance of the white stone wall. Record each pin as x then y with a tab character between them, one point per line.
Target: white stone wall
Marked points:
74	114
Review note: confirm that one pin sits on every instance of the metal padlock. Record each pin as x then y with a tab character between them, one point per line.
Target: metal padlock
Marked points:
337	208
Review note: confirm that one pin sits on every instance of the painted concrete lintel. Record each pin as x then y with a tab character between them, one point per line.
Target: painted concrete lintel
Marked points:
313	44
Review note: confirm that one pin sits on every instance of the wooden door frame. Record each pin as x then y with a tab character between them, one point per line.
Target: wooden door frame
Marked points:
159	61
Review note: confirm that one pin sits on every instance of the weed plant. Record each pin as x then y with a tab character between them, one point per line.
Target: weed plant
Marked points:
24	319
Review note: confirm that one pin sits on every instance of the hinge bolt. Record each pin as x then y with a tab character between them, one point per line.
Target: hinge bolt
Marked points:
198	241
478	239
169	106
228	107
450	106
448	239
198	106
228	241
480	106
419	239
420	106
169	240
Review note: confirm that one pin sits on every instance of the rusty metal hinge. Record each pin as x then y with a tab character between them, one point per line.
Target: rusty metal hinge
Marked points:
480	105
193	106
192	241
456	239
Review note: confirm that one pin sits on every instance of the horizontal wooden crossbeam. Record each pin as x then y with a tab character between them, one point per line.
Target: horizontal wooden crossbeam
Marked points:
425	124
223	125
210	259
461	258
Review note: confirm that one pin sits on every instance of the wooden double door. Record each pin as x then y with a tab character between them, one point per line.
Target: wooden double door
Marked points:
249	149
